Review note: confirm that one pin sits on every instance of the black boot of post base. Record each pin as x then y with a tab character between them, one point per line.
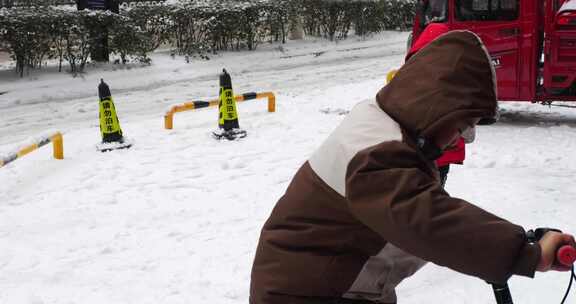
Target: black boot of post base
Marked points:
113	143
115	137
232	134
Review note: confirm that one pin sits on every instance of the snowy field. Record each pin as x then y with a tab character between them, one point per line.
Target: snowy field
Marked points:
176	218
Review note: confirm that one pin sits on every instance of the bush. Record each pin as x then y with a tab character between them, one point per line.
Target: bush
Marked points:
281	18
128	39
396	14
26	35
191	30
195	28
221	24
155	21
333	19
32	35
328	19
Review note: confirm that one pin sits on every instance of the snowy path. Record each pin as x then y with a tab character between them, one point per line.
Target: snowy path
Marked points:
59	101
176	219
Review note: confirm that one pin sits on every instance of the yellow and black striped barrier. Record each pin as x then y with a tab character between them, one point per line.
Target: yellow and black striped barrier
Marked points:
390	75
58	147
193	105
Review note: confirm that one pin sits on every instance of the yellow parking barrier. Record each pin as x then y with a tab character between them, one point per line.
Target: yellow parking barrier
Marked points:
390	75
193	105
57	143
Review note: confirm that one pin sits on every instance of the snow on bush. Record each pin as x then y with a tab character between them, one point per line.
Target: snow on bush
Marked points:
194	28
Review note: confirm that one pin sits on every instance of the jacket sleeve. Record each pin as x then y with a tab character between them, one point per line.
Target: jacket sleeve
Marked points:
405	204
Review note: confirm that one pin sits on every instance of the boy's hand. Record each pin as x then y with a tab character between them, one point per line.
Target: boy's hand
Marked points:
550	243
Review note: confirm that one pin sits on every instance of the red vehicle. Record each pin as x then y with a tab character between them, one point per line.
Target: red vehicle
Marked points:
532	42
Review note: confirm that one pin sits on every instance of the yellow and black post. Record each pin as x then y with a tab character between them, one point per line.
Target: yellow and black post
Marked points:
228	124
109	123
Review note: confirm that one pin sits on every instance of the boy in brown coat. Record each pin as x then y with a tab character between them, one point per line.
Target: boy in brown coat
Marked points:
367	209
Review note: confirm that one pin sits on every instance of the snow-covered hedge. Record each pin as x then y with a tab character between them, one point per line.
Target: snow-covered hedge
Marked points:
333	19
192	27
33	35
203	27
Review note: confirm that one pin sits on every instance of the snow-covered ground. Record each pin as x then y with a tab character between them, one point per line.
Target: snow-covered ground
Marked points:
176	218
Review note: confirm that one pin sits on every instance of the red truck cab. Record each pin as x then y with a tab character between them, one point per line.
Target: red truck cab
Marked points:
532	42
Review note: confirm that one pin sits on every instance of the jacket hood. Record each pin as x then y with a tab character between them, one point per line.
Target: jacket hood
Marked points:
451	78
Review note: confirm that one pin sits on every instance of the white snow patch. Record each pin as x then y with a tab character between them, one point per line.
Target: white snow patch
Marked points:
175	219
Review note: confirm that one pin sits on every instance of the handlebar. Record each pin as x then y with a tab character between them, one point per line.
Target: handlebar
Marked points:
566	255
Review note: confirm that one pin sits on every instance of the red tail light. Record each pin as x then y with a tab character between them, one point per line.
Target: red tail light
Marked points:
566	19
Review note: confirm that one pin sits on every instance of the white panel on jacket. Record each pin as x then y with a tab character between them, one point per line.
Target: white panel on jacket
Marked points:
365	126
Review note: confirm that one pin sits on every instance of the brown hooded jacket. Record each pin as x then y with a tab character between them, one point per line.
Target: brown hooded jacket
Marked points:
367	209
